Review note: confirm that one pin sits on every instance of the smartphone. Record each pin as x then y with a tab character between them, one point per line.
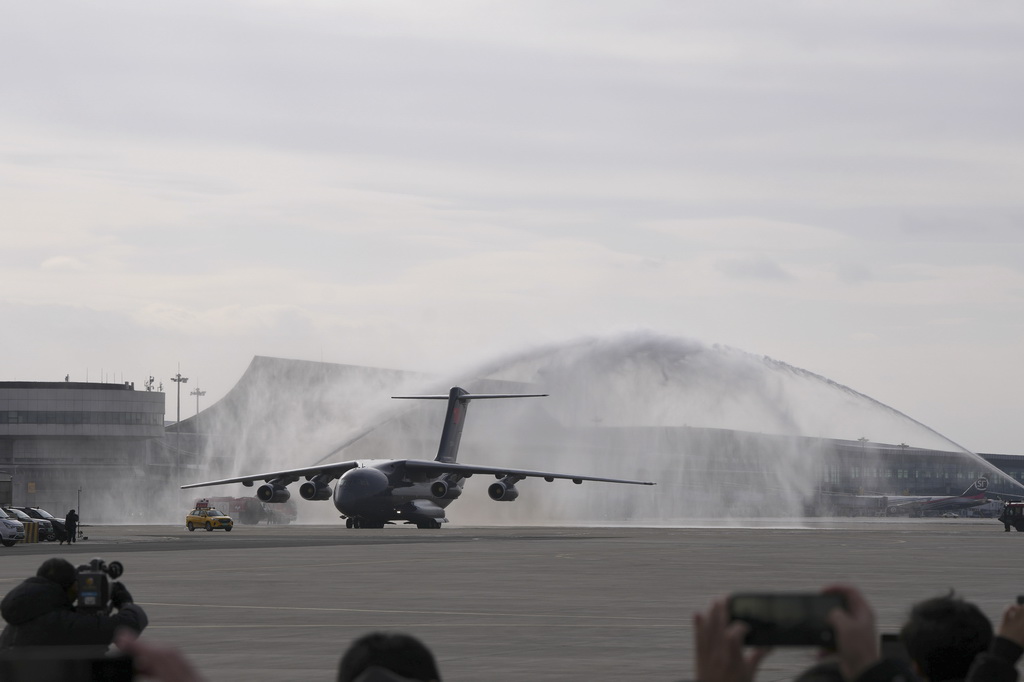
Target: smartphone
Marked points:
786	619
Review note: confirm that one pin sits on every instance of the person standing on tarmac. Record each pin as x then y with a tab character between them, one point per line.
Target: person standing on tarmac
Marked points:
71	525
1005	517
41	612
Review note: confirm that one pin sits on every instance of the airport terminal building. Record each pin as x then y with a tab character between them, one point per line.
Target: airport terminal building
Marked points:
60	438
105	447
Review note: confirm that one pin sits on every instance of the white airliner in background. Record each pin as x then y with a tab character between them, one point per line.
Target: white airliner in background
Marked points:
918	504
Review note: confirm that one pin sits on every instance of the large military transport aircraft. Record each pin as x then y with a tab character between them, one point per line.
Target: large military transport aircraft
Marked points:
371	493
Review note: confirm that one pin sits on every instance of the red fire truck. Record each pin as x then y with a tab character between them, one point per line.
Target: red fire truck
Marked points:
250	511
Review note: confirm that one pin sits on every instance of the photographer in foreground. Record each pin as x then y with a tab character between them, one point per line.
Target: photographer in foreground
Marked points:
951	639
946	639
41	612
722	655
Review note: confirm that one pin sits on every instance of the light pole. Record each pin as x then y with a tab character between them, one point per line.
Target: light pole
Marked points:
197	393
179	380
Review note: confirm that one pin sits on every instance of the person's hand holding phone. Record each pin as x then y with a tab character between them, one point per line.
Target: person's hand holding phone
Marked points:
1012	625
857	646
719	647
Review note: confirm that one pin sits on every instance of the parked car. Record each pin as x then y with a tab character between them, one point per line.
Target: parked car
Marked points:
11	530
45	527
58	524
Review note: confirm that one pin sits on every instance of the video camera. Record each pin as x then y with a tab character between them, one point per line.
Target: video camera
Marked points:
94	584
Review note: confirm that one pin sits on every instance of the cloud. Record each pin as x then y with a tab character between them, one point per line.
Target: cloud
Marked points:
375	180
754	268
751	234
63	263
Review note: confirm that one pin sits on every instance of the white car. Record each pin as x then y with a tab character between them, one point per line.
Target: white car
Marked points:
11	529
950	515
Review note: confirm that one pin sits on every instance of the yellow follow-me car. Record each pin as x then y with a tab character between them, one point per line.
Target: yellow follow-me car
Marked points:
203	516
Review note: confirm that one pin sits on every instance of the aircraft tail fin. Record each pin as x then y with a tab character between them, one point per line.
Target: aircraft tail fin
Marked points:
458	401
979	487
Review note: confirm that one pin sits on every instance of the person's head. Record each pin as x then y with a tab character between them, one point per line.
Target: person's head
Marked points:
60	571
401	654
943	636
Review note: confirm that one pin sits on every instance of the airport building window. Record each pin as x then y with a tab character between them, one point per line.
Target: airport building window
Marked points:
79	417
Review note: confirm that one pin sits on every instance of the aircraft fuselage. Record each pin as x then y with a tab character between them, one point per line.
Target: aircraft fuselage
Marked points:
379	491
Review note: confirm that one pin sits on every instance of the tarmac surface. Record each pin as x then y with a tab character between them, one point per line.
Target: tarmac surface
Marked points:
496	604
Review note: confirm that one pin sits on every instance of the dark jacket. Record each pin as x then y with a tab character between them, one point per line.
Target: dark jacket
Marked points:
998	664
888	670
39	613
71	522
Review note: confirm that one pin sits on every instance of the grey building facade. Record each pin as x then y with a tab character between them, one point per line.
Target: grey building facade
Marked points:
65	443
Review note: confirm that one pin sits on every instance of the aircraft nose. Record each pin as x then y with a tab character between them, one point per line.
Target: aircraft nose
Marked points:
358	486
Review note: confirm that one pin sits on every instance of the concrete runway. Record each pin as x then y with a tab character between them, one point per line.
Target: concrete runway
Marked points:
283	602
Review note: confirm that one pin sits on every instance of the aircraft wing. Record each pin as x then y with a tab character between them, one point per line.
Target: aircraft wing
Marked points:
333	470
434	468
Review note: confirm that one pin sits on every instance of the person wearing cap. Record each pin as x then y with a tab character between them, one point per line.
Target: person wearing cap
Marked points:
41	612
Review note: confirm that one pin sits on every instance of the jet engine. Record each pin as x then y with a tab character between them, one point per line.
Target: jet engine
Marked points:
445	490
315	489
273	492
502	491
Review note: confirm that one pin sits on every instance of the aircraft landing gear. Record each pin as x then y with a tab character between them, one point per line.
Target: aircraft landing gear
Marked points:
357	522
431	523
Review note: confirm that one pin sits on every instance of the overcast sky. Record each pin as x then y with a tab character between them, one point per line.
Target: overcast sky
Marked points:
426	185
